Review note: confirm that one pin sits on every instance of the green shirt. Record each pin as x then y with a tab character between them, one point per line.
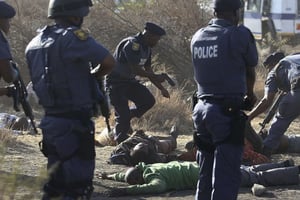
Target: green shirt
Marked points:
162	177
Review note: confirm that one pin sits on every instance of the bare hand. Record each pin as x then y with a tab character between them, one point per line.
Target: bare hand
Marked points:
249	101
103	175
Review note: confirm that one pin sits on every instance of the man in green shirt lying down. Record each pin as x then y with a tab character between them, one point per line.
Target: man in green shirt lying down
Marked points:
162	177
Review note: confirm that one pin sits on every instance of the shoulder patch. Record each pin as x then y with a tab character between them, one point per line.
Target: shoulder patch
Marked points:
81	34
135	46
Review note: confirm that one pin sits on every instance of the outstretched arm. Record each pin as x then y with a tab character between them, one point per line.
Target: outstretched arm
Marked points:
251	76
120	176
262	106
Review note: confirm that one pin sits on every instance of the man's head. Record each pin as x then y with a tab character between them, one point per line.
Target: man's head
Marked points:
228	9
139	153
153	33
6	13
73	10
272	60
134	176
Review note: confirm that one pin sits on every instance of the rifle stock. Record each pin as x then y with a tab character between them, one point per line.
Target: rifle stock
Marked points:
271	111
21	98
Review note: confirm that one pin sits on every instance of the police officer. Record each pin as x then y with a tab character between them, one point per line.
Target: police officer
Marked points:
285	77
6	71
224	57
60	59
133	56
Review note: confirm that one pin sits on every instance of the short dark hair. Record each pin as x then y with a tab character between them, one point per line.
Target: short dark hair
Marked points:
273	59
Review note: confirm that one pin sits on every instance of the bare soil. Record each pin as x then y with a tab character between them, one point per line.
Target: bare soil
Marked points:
22	168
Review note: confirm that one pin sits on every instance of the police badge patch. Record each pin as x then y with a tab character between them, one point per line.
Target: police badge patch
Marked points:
81	34
135	46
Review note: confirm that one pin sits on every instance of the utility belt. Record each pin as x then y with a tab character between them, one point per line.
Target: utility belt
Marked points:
229	105
75	115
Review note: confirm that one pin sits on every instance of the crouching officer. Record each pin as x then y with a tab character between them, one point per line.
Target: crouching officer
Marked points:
282	78
224	55
6	71
59	60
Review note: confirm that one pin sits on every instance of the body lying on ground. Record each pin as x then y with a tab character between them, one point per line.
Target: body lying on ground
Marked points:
140	147
163	177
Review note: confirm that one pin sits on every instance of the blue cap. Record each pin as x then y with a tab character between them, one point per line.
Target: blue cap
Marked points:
227	5
6	11
154	29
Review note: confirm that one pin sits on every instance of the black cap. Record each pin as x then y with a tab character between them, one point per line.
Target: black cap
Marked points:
227	5
6	10
155	29
273	58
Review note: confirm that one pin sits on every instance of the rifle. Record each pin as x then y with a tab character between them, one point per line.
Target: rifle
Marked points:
168	79
104	105
271	111
20	97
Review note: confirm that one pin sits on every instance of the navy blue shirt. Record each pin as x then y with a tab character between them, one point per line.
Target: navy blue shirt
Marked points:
281	77
130	51
4	48
221	52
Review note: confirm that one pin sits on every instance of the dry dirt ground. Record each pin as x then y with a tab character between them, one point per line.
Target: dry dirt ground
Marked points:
23	170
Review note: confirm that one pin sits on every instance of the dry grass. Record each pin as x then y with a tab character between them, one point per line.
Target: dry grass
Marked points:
6	137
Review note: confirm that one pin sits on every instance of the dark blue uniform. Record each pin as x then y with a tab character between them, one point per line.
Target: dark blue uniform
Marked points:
60	61
4	48
285	77
220	54
123	86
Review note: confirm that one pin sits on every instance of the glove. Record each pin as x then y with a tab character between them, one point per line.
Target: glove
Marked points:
11	91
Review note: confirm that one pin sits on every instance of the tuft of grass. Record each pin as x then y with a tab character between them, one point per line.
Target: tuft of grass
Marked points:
13	184
166	113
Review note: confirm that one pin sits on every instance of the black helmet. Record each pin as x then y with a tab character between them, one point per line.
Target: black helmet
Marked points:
78	8
227	5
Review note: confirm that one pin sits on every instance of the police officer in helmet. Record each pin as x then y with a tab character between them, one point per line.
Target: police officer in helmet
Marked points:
7	12
224	57
60	60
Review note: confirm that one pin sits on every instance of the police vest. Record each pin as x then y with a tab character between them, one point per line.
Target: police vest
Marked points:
218	66
61	85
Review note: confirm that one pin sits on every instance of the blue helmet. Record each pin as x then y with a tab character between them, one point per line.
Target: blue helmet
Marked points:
6	10
77	8
227	5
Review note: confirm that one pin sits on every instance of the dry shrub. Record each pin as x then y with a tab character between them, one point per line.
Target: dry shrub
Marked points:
166	113
6	137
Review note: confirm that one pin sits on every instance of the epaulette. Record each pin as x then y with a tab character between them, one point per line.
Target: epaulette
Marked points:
135	46
81	34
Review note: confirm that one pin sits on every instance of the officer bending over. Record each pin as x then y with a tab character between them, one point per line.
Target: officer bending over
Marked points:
133	56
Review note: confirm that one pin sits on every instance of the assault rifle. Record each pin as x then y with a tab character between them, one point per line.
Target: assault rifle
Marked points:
20	97
271	111
104	105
